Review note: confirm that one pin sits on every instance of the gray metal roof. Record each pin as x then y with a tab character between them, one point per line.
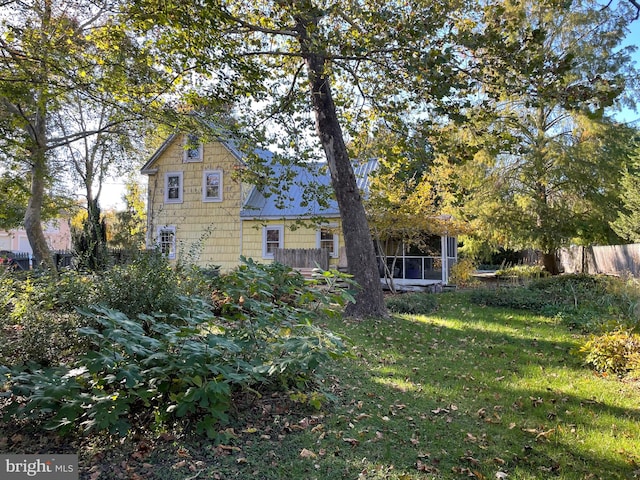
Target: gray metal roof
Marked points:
294	197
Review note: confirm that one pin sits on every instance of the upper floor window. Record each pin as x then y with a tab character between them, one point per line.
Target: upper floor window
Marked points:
327	238
272	238
192	149
212	186
173	187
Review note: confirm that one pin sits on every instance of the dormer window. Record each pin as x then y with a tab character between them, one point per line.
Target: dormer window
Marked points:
192	149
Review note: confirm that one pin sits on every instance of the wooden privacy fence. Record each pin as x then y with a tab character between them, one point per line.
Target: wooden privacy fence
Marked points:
303	257
609	259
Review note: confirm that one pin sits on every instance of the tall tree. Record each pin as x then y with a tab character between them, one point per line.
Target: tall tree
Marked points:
627	225
129	229
53	50
317	67
93	158
551	157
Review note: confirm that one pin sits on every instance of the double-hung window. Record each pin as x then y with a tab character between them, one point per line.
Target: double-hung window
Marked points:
193	149
173	187
167	241
272	238
212	186
328	239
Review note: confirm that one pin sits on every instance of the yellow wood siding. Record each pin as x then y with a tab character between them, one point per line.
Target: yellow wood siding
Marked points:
210	228
300	237
211	233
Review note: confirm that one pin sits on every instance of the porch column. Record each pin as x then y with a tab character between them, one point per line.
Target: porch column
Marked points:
445	259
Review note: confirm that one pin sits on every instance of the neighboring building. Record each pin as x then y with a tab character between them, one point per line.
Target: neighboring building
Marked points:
57	232
198	210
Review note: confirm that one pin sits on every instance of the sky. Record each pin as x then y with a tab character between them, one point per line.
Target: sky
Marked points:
632	39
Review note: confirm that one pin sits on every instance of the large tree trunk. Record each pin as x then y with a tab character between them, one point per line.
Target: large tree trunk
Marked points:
550	262
33	214
355	228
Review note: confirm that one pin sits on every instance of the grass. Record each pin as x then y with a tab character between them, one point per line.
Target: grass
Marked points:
464	392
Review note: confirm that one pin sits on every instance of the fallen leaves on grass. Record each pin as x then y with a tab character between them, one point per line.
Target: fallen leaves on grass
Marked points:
540	433
306	453
426	467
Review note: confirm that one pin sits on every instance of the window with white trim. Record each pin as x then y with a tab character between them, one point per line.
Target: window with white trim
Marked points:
193	149
212	186
327	238
173	187
272	238
167	241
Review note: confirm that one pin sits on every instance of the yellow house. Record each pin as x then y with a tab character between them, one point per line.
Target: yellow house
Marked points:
199	211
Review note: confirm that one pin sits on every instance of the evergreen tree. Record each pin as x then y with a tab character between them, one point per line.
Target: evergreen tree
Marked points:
627	225
546	157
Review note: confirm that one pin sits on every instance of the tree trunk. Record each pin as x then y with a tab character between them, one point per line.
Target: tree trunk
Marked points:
33	214
550	262
355	228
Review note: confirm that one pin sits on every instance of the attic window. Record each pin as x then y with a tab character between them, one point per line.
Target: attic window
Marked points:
192	149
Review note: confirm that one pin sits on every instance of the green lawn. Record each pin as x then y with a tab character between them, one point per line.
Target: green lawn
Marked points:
466	392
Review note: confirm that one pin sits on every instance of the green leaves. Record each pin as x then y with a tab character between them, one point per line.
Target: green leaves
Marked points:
186	364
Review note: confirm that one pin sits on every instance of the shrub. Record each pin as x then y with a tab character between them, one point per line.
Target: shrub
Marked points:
518	298
38	320
41	337
412	303
147	284
589	302
522	272
153	369
615	352
462	272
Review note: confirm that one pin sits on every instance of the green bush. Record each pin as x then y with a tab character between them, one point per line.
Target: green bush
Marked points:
412	303
153	369
38	320
522	272
615	352
147	284
519	298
